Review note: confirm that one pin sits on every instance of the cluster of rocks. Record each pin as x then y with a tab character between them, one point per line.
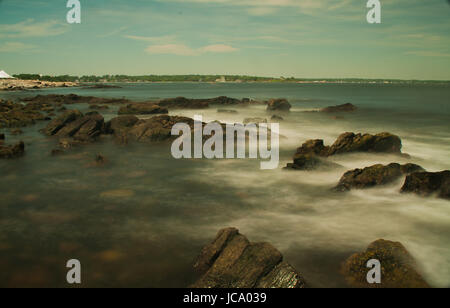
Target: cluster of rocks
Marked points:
231	261
312	153
75	99
20	115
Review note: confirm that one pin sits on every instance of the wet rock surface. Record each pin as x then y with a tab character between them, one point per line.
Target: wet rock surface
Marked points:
339	108
428	183
280	104
73	124
231	261
313	152
375	175
398	267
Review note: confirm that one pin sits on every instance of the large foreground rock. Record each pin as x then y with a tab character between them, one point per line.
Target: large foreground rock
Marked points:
280	104
427	183
142	108
12	151
398	267
310	155
375	175
231	261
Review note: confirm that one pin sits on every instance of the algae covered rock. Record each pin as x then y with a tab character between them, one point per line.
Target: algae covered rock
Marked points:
375	175
398	267
427	183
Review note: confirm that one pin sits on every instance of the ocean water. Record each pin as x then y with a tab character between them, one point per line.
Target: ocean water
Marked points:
141	219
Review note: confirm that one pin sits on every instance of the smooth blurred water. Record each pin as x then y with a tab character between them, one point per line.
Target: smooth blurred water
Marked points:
141	219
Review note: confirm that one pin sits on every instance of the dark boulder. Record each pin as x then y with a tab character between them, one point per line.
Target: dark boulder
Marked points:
280	104
340	108
427	183
12	151
231	261
142	108
374	175
398	267
85	128
379	143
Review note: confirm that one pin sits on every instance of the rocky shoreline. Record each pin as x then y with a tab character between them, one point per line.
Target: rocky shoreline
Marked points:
20	85
231	260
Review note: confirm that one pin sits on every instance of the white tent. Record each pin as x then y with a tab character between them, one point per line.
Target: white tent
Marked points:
3	75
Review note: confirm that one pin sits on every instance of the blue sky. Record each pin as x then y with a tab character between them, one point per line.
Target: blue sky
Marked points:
300	38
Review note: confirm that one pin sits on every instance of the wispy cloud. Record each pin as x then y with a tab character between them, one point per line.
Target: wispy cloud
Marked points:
153	39
183	50
15	47
30	28
422	53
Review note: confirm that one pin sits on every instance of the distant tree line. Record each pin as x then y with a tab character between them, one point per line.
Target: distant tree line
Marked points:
205	78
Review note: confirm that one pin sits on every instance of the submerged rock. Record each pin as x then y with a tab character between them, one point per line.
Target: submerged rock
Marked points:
12	151
375	175
231	261
427	183
398	267
142	108
339	108
280	104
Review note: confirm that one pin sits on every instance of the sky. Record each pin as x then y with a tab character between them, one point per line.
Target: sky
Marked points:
289	38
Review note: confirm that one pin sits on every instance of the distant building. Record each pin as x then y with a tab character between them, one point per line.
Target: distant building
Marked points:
221	79
4	75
